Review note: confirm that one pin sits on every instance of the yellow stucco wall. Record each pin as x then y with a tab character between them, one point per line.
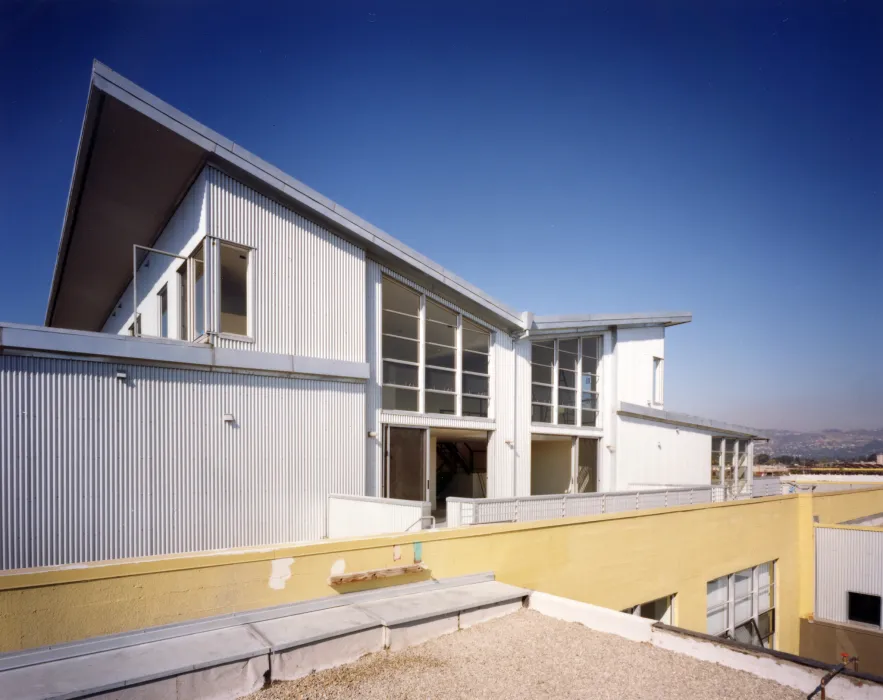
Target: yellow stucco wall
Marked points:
833	508
615	561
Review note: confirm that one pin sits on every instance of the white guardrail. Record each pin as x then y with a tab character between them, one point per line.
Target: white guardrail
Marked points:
481	511
363	516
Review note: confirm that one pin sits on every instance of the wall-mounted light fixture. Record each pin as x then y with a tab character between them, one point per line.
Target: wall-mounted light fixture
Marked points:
372	433
121	374
228	418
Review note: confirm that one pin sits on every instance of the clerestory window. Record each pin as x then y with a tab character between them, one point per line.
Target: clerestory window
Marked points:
434	360
564	381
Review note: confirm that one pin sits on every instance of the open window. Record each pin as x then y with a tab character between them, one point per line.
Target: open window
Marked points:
864	608
162	303
234	286
658	373
660	610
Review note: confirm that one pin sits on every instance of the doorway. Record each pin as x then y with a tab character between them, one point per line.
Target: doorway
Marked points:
405	474
458	466
563	464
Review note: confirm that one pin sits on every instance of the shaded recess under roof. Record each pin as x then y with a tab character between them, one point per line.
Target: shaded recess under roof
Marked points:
136	159
122	194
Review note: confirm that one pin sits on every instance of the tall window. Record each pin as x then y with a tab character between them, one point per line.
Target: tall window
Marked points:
568	355
556	396
198	263
431	351
401	347
591	354
542	387
657	379
476	369
163	311
183	310
441	364
234	289
741	606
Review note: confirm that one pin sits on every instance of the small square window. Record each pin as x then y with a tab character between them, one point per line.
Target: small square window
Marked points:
864	608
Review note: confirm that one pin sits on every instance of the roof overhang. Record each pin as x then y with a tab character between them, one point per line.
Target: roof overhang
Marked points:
136	158
685	420
561	325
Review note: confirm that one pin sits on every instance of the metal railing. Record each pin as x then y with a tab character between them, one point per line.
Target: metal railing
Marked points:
481	511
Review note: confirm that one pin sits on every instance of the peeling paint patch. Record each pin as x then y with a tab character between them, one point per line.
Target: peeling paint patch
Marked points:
338	567
280	572
396	552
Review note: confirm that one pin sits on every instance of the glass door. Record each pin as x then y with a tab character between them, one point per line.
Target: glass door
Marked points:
405	453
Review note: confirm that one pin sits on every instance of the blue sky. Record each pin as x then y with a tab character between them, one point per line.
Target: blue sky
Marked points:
727	160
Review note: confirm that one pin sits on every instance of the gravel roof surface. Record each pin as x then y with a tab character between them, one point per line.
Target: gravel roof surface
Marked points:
529	655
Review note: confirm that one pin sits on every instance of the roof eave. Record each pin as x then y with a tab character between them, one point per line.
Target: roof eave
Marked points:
81	163
686	420
225	153
545	325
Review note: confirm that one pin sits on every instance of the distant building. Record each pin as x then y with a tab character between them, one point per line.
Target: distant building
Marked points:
880	458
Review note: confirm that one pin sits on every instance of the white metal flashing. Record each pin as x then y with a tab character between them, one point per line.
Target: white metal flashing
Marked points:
580	323
660	416
19	339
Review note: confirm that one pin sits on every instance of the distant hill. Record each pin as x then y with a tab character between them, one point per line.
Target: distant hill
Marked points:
823	444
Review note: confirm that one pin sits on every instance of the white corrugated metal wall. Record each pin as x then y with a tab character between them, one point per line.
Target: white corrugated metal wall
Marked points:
846	560
308	284
374	394
500	481
93	467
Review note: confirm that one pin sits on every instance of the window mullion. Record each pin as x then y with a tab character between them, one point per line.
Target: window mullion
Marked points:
579	382
458	367
555	382
755	593
731	605
421	356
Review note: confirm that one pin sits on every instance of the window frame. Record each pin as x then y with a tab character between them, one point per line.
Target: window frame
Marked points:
580	374
849	609
424	367
658	380
249	291
162	311
756	594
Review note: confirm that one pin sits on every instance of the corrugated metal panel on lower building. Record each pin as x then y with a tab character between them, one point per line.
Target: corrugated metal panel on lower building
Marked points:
96	467
846	560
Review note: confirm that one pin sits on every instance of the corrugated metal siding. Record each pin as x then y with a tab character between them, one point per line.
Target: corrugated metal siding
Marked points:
374	396
93	467
500	456
846	560
308	284
522	416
